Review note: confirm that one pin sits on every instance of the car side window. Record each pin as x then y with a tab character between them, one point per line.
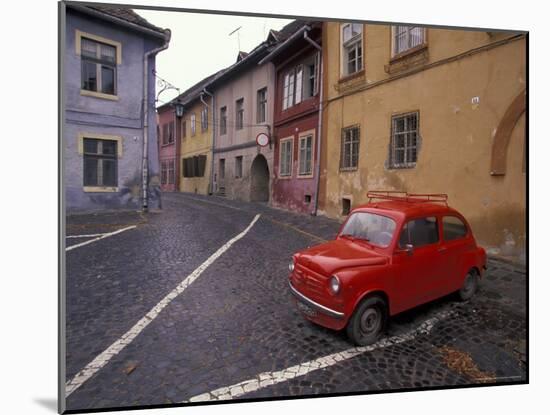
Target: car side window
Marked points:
453	228
419	232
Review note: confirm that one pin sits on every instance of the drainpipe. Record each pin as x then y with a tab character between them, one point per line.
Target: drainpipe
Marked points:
319	126
213	109
145	161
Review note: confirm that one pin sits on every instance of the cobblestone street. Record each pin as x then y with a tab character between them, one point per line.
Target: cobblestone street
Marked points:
233	331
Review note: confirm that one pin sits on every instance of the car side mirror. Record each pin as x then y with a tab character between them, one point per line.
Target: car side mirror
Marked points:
408	249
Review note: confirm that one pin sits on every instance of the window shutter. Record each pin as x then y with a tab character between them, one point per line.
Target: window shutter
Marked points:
202	164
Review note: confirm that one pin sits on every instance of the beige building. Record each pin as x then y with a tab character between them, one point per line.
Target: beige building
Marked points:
427	110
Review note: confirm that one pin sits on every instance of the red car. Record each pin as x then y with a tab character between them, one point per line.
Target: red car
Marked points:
396	252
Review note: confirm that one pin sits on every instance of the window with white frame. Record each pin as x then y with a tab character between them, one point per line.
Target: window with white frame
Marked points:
167	171
349	154
407	37
98	66
285	157
305	155
352	48
300	82
404	140
239	114
168	133
223	120
193	124
100	162
204	119
288	89
261	111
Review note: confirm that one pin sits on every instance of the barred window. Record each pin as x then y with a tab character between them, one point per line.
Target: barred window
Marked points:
223	120
305	155
221	171
163	171
352	48
238	167
171	170
285	157
404	141
98	66
100	162
349	154
407	37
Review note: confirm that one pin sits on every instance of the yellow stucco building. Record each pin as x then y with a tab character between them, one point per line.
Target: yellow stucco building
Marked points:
195	155
427	110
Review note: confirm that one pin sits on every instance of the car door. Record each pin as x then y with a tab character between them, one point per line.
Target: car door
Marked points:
417	270
455	243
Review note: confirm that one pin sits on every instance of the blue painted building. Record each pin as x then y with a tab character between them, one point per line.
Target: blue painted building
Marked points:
109	133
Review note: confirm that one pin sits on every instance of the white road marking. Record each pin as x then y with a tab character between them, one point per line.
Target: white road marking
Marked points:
271	378
85	236
101	360
105	235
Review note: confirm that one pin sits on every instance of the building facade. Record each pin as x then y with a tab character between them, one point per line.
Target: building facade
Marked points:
169	150
195	131
296	119
109	127
427	110
243	98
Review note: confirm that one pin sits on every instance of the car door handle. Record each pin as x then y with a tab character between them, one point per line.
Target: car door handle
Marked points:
442	249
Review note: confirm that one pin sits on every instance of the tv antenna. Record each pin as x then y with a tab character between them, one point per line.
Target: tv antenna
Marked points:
238	37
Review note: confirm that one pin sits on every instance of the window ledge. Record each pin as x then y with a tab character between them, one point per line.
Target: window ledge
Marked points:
407	59
285	177
85	92
402	166
305	176
348	169
100	189
408	52
347	78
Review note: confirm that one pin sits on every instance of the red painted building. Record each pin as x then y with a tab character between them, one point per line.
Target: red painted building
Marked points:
168	148
298	64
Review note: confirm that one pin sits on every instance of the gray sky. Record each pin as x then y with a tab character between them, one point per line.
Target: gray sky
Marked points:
201	44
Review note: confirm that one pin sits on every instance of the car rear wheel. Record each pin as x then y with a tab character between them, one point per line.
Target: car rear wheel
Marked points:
470	285
367	321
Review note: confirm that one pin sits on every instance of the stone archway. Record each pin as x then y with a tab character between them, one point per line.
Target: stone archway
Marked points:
259	180
503	134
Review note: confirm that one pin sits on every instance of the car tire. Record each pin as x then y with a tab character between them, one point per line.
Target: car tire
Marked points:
469	286
367	321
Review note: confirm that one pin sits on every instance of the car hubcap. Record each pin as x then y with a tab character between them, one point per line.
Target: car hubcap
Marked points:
370	321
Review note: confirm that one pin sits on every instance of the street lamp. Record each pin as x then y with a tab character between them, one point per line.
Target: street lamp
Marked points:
179	108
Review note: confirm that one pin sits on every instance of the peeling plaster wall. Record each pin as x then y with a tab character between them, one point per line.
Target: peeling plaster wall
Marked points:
456	134
91	115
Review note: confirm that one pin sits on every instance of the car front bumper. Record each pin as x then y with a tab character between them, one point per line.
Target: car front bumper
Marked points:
314	305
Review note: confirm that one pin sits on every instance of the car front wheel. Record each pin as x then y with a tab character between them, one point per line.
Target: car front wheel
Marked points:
367	321
470	285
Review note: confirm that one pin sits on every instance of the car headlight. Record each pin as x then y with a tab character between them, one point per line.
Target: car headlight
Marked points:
334	284
291	266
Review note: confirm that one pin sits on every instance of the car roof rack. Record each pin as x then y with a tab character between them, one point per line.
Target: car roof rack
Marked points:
407	197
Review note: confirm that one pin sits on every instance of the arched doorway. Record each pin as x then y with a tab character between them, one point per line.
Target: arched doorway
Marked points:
259	183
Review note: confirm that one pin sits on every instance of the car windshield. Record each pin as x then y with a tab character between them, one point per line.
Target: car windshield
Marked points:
376	229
